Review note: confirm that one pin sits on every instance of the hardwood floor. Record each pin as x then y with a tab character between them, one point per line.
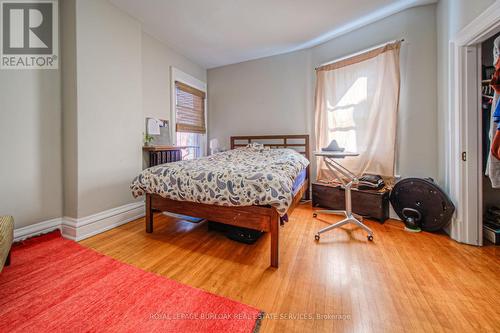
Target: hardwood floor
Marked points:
399	282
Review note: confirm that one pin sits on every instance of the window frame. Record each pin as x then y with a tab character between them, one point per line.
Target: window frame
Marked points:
182	77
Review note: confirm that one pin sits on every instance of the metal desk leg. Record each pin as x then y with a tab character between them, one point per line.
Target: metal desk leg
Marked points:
350	216
329	212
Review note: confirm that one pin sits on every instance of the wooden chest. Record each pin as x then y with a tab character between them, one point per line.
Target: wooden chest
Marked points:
371	204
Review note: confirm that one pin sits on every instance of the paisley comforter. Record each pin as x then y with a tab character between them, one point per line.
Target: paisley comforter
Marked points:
248	176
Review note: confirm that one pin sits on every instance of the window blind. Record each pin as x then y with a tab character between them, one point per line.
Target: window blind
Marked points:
189	109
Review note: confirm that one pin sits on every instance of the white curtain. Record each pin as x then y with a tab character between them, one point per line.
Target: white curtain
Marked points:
357	104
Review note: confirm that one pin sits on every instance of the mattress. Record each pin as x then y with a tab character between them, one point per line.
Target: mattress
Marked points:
248	176
299	181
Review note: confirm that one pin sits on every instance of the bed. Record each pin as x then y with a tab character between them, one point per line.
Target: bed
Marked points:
255	185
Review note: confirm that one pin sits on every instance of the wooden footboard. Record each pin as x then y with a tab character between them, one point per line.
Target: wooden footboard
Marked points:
253	217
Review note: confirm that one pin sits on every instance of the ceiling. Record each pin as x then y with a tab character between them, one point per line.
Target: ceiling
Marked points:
214	33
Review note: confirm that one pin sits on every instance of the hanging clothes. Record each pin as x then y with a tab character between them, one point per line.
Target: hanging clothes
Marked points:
495	84
485	135
493	168
495	144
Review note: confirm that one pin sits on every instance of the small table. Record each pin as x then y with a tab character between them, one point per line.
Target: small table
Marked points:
347	183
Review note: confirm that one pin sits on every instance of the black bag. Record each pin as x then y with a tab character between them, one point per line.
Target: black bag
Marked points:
370	182
238	234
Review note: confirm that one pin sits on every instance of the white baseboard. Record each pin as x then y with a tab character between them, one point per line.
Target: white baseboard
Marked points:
37	229
84	227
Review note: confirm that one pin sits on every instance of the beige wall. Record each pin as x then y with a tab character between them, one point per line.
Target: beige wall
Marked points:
69	108
30	145
417	128
157	58
110	119
127	80
275	94
113	75
265	96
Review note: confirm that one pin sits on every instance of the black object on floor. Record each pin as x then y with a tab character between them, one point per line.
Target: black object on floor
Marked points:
491	225
425	197
238	234
411	218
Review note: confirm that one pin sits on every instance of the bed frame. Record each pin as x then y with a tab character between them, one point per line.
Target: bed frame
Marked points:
263	218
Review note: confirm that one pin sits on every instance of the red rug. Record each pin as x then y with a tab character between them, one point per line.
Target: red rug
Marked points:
56	285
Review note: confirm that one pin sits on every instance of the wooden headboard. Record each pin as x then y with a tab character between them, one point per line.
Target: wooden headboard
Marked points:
299	142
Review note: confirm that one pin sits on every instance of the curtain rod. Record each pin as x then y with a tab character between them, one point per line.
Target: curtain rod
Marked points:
359	52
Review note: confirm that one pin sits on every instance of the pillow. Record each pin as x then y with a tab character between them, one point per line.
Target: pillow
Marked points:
256	146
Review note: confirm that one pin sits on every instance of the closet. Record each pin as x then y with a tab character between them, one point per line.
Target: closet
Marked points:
491	196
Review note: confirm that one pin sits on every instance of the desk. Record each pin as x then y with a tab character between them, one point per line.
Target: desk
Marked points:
348	179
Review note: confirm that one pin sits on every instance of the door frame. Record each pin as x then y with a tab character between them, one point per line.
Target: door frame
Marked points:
464	176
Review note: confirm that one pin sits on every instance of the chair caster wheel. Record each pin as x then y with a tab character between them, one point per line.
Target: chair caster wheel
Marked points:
315	215
370	238
316	237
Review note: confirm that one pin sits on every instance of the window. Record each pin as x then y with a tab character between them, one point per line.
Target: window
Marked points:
191	140
190	119
356	105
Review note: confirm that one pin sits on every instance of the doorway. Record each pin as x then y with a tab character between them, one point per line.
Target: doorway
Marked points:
490	190
466	138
